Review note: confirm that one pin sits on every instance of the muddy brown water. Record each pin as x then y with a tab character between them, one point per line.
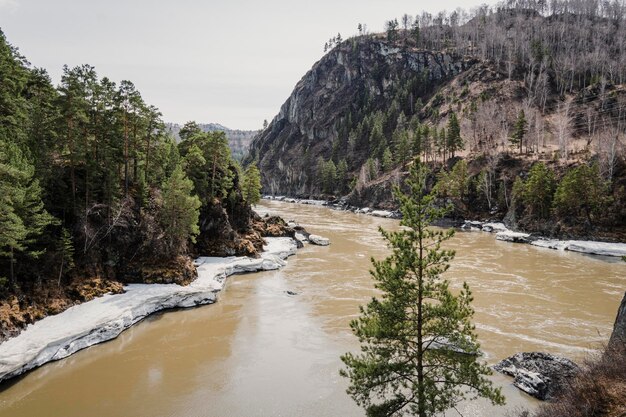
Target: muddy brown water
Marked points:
262	352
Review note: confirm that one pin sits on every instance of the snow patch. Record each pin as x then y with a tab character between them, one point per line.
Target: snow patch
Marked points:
584	246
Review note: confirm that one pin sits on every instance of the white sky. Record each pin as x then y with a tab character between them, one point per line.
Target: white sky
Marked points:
230	62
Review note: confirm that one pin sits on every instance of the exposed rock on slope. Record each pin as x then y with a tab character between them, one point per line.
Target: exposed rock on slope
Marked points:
360	76
619	328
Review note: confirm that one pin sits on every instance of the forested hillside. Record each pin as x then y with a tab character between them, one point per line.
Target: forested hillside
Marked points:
502	87
94	191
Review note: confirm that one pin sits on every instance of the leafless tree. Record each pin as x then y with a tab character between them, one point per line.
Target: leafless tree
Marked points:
406	21
610	149
562	129
487	178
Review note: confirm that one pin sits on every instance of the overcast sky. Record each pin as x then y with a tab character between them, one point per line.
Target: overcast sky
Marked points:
230	62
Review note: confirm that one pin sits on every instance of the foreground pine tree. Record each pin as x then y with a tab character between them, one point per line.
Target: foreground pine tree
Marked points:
419	352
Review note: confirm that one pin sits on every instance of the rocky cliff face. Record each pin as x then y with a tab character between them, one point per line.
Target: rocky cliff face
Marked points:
358	77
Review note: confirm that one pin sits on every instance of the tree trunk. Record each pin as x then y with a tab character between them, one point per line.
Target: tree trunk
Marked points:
12	267
125	155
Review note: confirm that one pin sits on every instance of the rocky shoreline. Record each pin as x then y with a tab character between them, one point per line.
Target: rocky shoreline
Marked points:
502	232
104	318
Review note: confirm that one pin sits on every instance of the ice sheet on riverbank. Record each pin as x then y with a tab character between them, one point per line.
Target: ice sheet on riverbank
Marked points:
102	319
583	246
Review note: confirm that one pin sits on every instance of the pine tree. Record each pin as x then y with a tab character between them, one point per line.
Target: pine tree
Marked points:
581	192
387	160
329	176
539	190
453	138
214	179
402	146
455	184
251	187
342	175
22	214
180	211
189	130
415	31
372	168
65	249
443	142
419	351
392	30
417	141
519	130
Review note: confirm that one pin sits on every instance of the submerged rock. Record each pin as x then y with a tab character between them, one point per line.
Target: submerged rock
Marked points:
538	374
319	240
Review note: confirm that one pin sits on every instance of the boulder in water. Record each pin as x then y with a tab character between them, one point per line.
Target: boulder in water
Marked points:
538	374
318	240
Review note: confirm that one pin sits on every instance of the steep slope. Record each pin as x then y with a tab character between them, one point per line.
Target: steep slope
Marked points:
544	83
358	78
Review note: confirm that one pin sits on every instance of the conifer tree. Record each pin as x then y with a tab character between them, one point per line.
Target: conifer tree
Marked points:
539	190
519	130
582	192
387	160
392	30
22	214
454	184
419	352
180	211
453	138
189	130
251	187
65	249
329	176
417	141
415	31
342	175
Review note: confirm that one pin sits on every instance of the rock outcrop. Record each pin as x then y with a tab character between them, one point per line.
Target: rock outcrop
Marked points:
538	374
619	328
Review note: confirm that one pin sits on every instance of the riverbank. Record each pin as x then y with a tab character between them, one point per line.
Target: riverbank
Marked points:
104	318
501	231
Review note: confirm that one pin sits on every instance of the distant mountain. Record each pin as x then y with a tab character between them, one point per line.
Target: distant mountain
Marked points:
239	140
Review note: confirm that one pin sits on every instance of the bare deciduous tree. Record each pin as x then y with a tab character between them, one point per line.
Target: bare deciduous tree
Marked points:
562	129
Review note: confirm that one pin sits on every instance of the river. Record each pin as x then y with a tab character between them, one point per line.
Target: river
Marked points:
262	352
